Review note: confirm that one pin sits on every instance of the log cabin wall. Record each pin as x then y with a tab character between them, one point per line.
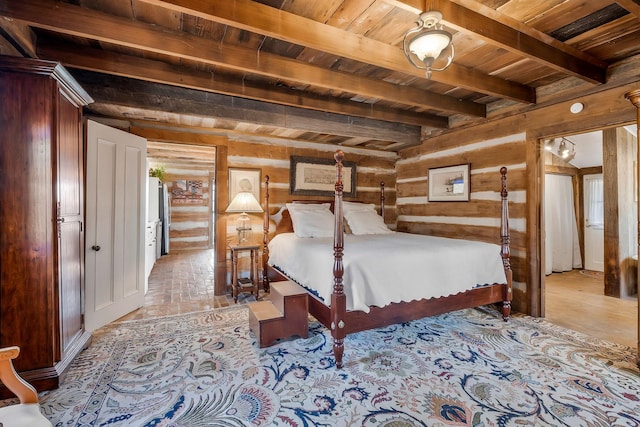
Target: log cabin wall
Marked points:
512	141
478	218
371	168
272	157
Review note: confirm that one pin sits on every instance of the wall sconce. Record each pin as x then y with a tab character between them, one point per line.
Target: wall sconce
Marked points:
426	43
244	202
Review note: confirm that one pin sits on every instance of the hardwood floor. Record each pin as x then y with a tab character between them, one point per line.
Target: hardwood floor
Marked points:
576	300
184	282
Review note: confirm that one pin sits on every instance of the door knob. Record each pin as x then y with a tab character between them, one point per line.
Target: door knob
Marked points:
95	248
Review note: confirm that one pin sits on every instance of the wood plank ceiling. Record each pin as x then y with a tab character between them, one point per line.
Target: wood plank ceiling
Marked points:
322	71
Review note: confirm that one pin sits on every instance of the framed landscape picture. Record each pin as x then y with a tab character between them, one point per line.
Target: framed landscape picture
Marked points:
317	177
449	183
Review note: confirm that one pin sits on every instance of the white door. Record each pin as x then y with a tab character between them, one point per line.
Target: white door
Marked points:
116	217
593	222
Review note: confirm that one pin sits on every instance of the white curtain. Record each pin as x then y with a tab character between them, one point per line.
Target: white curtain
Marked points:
562	248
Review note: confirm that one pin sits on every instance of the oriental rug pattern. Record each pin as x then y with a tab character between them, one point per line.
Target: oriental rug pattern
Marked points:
463	368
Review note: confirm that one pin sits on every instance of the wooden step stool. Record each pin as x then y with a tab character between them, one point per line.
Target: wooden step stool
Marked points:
281	317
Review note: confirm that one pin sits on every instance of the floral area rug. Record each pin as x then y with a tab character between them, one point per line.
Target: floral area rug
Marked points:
466	368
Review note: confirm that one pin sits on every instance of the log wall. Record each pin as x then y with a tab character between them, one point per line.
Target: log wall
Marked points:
478	218
274	160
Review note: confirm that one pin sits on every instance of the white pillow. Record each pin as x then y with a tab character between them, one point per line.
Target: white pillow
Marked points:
311	219
357	207
366	222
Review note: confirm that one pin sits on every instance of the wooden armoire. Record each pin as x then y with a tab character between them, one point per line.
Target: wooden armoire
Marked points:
41	217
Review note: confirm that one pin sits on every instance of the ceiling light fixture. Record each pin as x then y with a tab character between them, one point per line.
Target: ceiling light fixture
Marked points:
566	149
566	152
427	42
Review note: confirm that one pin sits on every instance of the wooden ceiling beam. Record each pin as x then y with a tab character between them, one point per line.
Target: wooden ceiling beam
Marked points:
83	22
7	47
121	91
258	18
160	72
501	30
632	6
20	36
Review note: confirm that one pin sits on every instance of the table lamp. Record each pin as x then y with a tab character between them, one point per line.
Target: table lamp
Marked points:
244	202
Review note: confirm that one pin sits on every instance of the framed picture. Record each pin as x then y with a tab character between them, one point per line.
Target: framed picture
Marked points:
187	192
449	183
244	180
317	177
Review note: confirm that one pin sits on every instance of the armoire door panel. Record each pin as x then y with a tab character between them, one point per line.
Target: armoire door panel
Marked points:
26	240
70	218
71	246
70	160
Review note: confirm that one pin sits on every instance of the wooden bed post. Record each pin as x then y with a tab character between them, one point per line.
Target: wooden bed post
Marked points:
338	298
382	199
505	239
265	238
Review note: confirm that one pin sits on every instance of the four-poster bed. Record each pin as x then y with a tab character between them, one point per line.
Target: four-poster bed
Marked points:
344	313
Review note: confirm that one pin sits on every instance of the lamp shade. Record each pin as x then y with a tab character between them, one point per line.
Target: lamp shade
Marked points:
244	201
428	46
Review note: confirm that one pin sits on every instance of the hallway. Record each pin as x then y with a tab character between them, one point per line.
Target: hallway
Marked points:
183	282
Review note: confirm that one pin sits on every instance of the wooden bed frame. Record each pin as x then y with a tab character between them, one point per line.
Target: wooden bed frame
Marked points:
342	322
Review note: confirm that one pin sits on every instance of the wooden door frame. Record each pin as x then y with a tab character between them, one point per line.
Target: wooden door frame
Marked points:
221	203
535	156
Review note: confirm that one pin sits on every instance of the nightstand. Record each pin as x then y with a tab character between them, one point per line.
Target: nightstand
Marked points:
244	285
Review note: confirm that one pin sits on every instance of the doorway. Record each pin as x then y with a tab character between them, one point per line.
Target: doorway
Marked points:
189	179
574	296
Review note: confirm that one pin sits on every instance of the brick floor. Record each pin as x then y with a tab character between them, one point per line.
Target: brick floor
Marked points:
181	283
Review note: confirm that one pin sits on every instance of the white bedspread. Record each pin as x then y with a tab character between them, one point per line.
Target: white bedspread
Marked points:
384	268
